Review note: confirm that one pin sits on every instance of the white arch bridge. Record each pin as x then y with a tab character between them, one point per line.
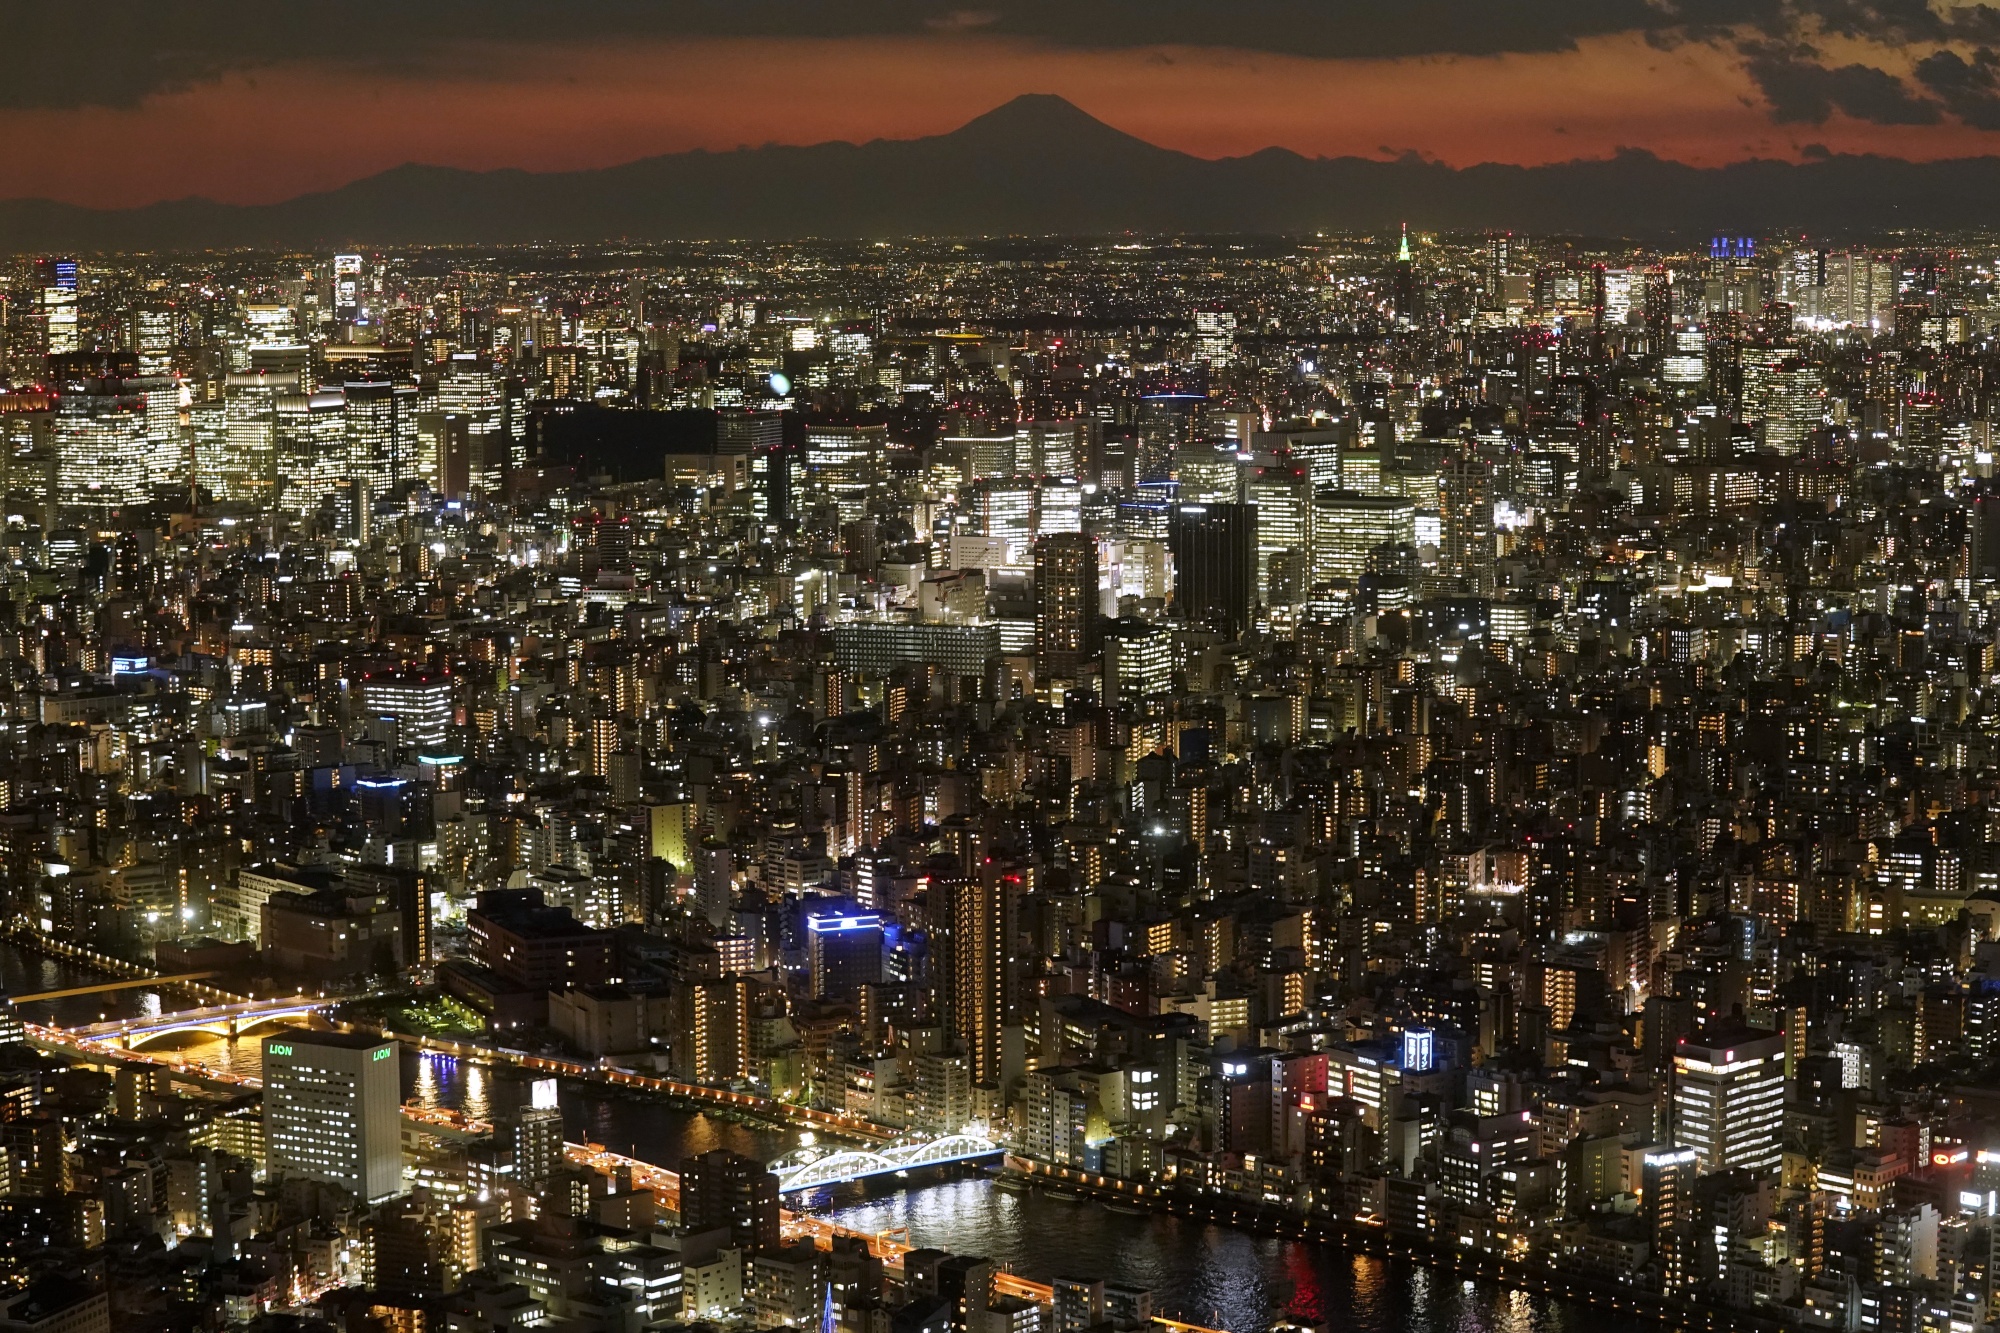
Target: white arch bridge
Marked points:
807	1170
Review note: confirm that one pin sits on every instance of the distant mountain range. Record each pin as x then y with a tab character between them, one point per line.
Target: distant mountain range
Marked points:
1039	166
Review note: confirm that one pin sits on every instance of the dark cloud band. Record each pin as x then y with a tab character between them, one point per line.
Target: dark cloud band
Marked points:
139	48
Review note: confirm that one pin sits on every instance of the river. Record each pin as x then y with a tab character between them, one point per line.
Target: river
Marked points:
1202	1273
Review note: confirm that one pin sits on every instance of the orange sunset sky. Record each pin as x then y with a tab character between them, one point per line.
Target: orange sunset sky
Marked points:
275	130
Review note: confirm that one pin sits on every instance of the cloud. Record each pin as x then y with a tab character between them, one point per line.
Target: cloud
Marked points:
138	48
1969	89
1802	91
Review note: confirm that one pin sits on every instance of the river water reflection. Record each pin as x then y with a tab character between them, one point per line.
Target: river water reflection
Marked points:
1204	1274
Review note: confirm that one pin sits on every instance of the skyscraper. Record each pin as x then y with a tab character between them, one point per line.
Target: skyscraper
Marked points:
332	1111
979	968
844	949
100	438
1407	296
1283	500
1066	604
844	467
1465	495
472	391
1215	564
1729	1098
1347	526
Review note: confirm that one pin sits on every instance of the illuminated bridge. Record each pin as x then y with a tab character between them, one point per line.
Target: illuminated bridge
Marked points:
225	1020
801	1171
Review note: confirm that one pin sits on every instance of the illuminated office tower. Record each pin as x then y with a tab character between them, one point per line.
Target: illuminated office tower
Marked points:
1622	291
1058	506
1347	526
1316	448
167	460
311	435
1138	661
1282	498
153	339
843	949
1685	366
381	421
100	440
1729	1098
1209	473
264	325
845	467
472	391
347	290
1066	604
1005	511
333	1111
59	311
1465	501
1499	263
761	435
1794	405
418	703
984	455
1051	448
1361	469
1860	290
249	464
208	443
1214	336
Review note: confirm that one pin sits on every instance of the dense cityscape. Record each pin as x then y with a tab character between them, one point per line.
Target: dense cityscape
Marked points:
550	787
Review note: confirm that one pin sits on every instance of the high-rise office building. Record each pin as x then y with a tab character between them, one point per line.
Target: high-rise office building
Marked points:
1499	263
845	466
843	949
1138	660
1465	499
1067	611
471	391
153	339
1282	497
1052	448
720	1188
1215	564
333	1111
312	448
100	439
381	424
1347	526
419	705
249	468
59	278
1166	424
1729	1098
